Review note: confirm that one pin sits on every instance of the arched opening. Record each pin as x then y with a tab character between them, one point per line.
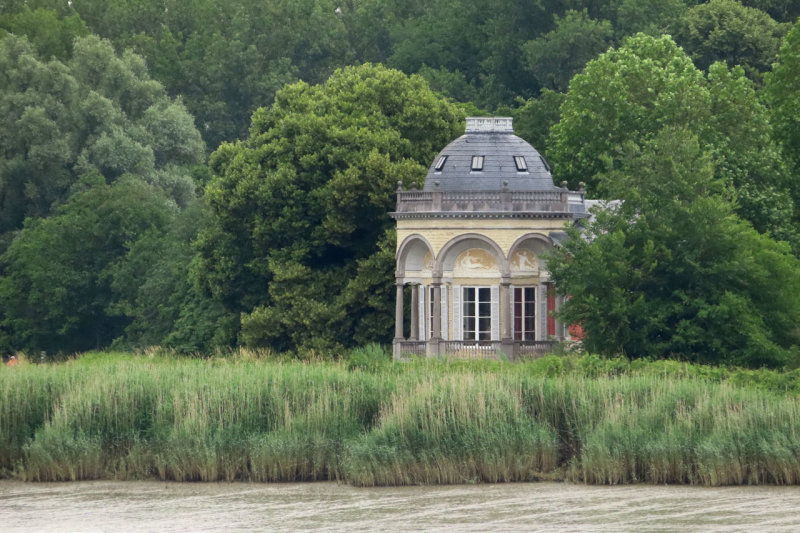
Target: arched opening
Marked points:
527	255
414	256
532	296
472	267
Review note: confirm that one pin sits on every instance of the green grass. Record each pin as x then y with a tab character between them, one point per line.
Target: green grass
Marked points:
368	421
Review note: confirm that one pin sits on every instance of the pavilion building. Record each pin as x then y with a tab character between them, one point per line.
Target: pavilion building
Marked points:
471	247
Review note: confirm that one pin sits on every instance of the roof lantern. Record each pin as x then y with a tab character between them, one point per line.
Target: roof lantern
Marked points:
490	125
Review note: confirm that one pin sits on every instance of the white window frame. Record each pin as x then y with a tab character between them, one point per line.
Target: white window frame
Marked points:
479	335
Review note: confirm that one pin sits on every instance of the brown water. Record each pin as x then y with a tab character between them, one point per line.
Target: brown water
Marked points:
152	506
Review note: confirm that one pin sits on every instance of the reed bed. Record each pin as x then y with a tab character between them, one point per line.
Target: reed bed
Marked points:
367	421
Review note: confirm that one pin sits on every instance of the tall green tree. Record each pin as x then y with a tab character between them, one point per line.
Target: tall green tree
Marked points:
56	275
154	291
630	94
653	17
98	113
553	58
627	94
536	116
300	209
725	30
50	35
782	92
740	138
673	272
228	58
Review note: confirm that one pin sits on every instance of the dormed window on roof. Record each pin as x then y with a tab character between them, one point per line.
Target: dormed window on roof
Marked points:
440	163
477	162
519	161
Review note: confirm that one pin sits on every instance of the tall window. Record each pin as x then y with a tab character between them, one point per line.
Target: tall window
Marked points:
477	313
524	313
519	161
477	162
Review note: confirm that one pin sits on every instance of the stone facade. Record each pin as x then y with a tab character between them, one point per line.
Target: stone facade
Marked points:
472	245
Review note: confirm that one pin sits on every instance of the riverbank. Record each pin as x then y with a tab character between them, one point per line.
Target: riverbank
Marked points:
366	422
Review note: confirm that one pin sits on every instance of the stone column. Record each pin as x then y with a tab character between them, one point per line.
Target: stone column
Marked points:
414	313
433	348
398	312
436	332
506	342
505	305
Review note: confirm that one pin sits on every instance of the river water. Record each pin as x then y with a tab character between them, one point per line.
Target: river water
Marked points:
152	506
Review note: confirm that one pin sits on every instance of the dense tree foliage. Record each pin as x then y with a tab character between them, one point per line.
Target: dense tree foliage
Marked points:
489	55
672	271
783	94
556	56
631	93
56	289
725	30
156	292
112	228
53	37
93	155
299	242
98	113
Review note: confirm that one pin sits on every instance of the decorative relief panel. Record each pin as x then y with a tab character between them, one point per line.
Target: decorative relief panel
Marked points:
524	261
474	262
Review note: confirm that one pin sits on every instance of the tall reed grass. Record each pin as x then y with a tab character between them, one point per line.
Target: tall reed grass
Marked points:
368	421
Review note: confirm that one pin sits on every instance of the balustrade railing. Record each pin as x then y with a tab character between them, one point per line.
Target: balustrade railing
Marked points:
485	201
476	349
471	349
529	349
412	347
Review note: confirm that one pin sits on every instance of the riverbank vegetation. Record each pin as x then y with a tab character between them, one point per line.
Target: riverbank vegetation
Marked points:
366	420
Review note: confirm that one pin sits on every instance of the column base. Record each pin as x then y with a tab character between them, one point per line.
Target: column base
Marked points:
396	355
433	348
507	349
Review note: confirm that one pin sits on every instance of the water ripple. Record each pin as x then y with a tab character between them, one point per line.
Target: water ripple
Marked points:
151	506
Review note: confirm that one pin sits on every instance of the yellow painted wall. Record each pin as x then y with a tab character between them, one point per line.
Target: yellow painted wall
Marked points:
502	231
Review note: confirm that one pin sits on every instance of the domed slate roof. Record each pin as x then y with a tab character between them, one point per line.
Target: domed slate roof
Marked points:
494	140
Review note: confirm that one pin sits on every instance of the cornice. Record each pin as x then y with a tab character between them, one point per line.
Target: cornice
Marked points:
488	215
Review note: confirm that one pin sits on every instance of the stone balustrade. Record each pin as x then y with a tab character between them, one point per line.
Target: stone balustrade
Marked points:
414	201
